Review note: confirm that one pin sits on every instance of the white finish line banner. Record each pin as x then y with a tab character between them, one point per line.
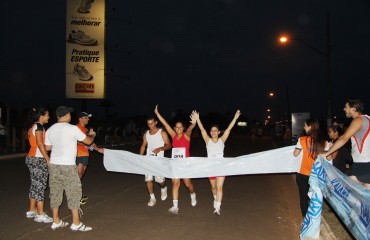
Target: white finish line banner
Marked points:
273	161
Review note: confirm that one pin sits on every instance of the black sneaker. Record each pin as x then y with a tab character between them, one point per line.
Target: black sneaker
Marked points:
84	197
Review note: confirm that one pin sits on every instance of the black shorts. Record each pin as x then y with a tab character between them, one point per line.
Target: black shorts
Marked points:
361	171
82	160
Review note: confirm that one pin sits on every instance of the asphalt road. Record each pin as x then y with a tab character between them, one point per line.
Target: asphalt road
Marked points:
254	206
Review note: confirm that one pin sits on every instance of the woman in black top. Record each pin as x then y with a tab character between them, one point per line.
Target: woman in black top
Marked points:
342	156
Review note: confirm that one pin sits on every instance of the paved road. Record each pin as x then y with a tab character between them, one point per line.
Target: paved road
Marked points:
254	206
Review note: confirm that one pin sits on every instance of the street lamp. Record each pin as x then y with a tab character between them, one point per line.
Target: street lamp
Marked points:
286	39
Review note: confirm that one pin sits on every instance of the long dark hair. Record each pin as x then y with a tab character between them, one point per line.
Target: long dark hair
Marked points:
316	138
36	113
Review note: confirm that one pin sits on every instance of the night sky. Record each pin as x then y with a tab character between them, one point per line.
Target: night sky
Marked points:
209	55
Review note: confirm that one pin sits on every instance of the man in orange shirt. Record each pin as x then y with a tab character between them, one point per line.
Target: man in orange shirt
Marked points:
82	158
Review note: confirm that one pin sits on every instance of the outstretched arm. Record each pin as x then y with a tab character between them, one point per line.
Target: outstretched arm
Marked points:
193	121
200	125
231	125
164	122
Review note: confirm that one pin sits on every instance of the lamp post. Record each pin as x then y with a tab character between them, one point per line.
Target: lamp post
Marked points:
327	55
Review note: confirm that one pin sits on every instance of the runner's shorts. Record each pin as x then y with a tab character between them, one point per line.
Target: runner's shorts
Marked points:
361	171
156	178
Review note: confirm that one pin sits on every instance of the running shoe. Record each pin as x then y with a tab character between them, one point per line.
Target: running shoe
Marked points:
81	227
193	198
85	6
152	202
217	212
31	214
44	218
174	210
164	193
81	38
84	75
84	197
61	224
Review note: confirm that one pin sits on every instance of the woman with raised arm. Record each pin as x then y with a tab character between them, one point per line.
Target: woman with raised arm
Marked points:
180	140
215	149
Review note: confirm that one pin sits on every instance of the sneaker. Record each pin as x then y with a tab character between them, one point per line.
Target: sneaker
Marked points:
84	197
193	199
82	202
81	227
61	224
152	202
31	214
85	6
174	210
217	212
81	38
164	193
81	72
43	218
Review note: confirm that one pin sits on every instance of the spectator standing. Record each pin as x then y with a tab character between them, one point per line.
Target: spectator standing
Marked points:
37	162
61	139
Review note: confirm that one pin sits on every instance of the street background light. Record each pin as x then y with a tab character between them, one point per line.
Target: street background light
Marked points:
285	39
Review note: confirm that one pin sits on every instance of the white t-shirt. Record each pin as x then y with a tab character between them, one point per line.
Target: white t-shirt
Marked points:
63	139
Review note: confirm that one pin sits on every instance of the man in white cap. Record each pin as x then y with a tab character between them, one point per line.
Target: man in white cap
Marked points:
61	139
82	159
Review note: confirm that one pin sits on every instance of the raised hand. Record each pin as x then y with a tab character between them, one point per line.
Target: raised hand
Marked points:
237	114
156	109
195	114
193	120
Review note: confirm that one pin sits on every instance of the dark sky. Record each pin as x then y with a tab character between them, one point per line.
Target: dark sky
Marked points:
209	55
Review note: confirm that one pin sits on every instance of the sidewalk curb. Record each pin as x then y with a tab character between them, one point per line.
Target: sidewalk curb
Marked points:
325	231
10	156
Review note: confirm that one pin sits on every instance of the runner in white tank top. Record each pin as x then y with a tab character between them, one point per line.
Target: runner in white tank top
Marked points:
215	149
155	142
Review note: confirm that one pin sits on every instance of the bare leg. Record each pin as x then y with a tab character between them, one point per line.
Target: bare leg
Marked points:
40	208
213	186
75	216
55	212
149	186
81	170
32	205
189	185
175	188
219	188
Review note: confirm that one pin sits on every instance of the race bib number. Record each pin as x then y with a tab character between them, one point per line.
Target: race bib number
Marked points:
178	153
150	153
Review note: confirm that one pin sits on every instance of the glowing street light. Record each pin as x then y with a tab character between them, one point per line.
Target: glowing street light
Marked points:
284	39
